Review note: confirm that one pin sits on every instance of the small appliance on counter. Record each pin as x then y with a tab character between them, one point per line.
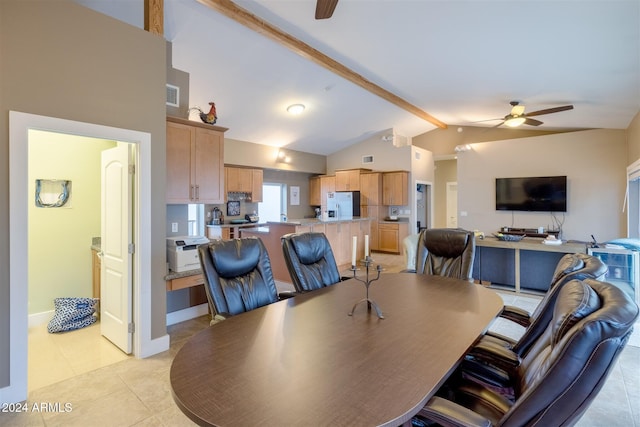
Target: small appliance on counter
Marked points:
252	218
217	217
182	252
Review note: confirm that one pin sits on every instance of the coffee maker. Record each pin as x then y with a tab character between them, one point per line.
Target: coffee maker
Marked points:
216	217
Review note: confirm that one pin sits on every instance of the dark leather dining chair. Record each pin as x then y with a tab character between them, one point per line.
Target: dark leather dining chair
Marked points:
559	378
500	350
237	275
310	261
446	252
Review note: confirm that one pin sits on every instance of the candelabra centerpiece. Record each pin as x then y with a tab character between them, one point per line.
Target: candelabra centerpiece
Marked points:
367	282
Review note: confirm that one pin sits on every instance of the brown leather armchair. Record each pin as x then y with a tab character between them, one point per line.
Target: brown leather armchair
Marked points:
559	377
310	261
571	266
237	275
446	252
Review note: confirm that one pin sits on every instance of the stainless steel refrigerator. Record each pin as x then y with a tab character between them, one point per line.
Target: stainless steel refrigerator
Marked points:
343	204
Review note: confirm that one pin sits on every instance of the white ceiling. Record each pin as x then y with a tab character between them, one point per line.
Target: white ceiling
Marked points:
460	61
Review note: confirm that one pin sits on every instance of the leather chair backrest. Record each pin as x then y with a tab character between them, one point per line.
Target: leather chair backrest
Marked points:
310	261
569	363
237	275
446	252
571	266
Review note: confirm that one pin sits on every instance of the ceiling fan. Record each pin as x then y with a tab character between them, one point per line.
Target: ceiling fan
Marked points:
325	8
518	117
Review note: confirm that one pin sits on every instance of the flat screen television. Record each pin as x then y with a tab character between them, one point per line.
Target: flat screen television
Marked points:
535	194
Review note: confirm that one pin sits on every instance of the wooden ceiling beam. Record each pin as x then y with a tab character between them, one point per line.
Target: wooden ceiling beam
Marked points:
251	21
154	16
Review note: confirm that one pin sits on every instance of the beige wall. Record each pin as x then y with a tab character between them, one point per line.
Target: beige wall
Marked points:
62	60
446	171
441	142
595	165
386	156
633	140
242	153
60	238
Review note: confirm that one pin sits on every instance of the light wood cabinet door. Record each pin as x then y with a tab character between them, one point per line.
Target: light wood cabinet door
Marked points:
257	177
395	191
239	180
180	143
327	184
388	238
348	180
370	189
195	164
209	166
314	191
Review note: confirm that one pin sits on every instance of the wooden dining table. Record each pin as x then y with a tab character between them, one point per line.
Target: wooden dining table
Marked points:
305	361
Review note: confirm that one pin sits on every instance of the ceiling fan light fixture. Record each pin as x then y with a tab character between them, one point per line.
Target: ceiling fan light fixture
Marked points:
515	121
295	109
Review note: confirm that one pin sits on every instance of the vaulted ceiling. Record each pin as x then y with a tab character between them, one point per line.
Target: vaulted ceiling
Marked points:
460	62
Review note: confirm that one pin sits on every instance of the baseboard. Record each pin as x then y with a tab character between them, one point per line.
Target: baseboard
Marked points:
38	319
187	314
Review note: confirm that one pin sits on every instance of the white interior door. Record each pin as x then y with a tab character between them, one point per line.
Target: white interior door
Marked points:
116	247
452	204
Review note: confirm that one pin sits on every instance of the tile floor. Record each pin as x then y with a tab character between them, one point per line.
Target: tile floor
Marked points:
83	380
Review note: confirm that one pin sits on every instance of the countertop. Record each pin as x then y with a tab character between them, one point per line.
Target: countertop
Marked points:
229	225
173	275
307	221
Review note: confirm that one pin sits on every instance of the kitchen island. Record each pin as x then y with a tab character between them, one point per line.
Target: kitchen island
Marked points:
339	233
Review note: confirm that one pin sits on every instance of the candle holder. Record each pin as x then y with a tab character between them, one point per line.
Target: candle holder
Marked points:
370	303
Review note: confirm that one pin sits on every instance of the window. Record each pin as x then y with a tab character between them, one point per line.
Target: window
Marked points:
274	202
195	219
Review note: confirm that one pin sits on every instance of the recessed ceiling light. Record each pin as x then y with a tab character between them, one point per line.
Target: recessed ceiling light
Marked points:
295	108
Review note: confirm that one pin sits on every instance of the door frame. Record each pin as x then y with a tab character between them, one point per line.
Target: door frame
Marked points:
429	184
19	126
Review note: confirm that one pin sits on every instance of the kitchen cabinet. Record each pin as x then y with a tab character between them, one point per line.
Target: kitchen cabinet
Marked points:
348	180
185	282
256	185
244	180
96	265
238	180
327	185
195	162
314	191
370	189
390	236
395	188
375	214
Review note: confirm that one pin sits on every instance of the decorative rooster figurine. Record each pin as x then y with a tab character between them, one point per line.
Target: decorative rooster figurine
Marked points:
211	117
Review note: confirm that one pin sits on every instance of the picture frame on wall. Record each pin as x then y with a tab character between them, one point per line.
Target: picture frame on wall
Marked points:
233	208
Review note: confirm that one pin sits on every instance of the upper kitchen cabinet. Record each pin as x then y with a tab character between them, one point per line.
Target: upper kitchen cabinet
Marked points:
195	162
395	190
244	180
370	188
238	180
348	180
256	185
327	185
314	191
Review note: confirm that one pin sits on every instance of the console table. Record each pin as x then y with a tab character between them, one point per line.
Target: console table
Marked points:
525	265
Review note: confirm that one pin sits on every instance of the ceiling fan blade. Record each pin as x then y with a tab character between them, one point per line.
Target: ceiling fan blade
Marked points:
550	110
532	122
325	8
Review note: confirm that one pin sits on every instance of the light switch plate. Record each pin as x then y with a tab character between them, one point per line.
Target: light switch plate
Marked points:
174	227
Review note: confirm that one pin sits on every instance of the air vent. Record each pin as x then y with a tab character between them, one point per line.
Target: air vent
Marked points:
367	159
173	95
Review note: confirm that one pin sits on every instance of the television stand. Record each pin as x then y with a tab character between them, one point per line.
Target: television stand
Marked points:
530	232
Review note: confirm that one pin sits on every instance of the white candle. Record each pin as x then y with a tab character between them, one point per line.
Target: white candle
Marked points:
366	245
353	250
